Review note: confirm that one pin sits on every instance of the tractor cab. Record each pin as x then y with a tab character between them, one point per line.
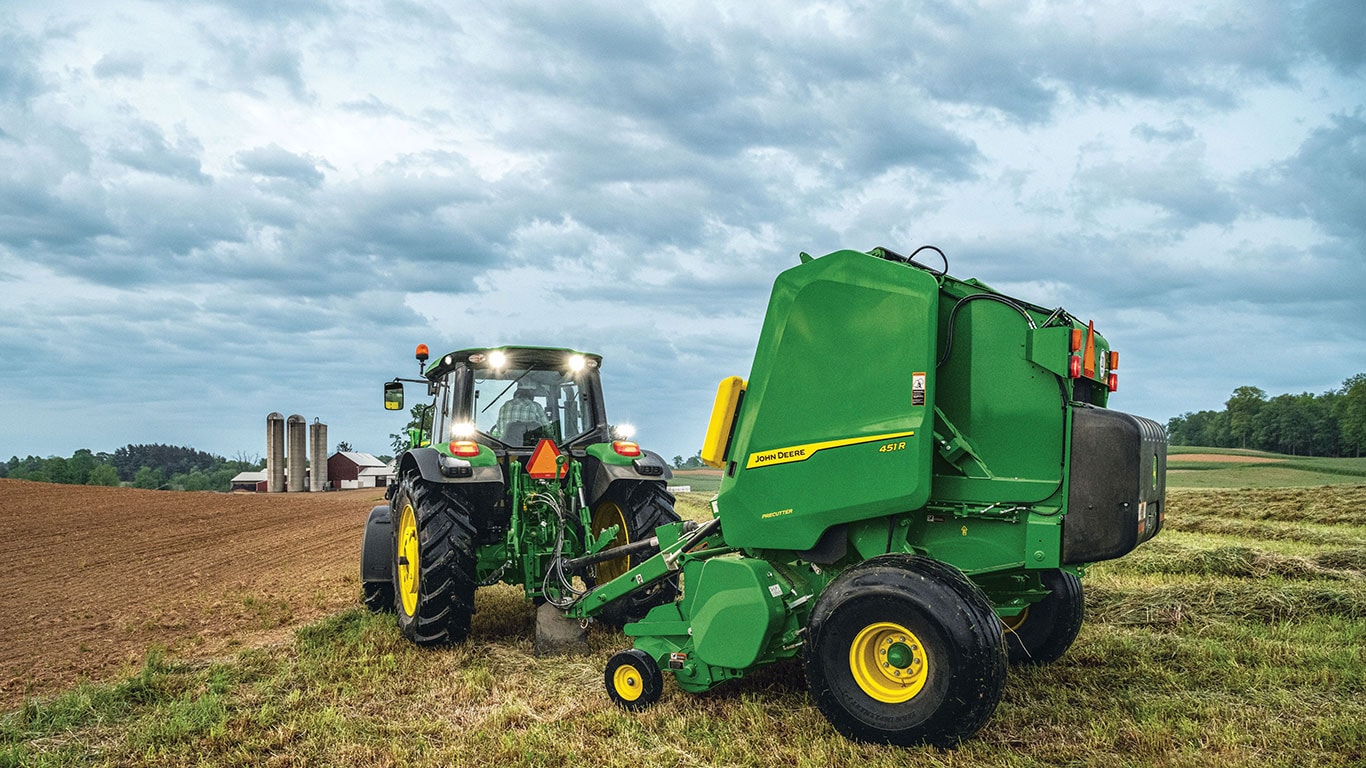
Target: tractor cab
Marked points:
511	398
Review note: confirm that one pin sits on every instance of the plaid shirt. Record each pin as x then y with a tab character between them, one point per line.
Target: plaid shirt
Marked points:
520	409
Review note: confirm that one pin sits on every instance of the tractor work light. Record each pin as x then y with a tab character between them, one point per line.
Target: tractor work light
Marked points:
576	363
627	431
626	448
497	358
462	429
465	449
478	357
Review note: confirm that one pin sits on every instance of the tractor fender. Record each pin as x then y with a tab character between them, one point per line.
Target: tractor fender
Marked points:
649	468
427	463
376	545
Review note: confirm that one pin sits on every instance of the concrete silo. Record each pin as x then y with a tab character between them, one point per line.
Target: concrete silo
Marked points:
297	453
317	438
275	453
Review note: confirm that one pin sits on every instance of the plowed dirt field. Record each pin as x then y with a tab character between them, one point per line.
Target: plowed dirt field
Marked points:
94	577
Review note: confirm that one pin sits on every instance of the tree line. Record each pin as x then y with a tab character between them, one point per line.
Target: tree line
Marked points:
1329	424
141	466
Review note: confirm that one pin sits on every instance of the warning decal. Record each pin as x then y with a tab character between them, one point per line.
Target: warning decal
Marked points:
918	388
804	452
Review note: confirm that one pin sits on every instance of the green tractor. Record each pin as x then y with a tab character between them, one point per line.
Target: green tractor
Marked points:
915	476
518	472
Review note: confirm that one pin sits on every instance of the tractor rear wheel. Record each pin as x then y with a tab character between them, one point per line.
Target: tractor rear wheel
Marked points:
1045	630
434	563
636	514
903	649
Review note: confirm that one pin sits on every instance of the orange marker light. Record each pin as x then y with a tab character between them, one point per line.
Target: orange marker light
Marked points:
1076	340
422	352
1088	365
464	448
1114	360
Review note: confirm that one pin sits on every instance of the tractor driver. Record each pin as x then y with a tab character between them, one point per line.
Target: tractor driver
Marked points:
521	408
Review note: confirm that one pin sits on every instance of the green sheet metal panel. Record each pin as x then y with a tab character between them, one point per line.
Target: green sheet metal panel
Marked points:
1009	407
836	422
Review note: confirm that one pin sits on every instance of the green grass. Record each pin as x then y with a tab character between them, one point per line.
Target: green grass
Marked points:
1273	471
1244	646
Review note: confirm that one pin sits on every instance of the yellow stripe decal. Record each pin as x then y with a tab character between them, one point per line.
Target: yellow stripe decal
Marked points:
804	452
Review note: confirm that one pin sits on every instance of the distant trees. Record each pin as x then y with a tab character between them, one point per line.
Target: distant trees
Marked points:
692	462
1330	424
142	466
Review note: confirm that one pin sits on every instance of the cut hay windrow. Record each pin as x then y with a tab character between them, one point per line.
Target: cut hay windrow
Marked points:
1344	504
1173	557
1206	601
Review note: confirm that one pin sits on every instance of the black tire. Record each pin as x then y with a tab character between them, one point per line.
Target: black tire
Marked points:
434	599
1046	629
378	596
944	636
644	508
633	680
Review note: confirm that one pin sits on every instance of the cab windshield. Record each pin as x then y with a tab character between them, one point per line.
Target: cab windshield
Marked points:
520	406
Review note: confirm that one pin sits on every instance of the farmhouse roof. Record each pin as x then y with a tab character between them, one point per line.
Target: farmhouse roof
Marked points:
250	477
361	459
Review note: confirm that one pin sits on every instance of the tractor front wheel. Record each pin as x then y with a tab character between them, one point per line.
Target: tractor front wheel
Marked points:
1043	632
378	595
903	649
434	563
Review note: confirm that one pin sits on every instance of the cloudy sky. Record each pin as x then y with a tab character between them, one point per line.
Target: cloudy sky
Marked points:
214	210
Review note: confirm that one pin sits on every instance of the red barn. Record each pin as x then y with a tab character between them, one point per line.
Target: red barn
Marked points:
349	469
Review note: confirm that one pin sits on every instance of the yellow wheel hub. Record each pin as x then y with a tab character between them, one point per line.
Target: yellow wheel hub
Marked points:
408	563
889	662
608	514
628	682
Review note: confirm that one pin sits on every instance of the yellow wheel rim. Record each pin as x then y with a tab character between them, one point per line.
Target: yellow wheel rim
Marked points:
889	662
628	682
608	514
1012	623
408	564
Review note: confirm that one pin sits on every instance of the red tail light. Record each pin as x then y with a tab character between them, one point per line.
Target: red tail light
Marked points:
626	448
1074	367
465	449
1112	381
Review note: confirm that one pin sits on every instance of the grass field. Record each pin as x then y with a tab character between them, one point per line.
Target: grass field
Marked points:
1233	468
1235	638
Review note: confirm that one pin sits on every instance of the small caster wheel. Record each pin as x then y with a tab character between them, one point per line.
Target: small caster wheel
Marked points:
633	680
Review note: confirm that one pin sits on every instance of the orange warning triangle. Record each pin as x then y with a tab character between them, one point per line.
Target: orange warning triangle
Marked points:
1088	365
542	465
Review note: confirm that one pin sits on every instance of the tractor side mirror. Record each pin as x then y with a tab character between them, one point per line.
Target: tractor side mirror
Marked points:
393	395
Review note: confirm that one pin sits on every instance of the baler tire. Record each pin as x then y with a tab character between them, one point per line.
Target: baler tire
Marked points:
378	596
644	509
434	600
633	680
1048	627
938	631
